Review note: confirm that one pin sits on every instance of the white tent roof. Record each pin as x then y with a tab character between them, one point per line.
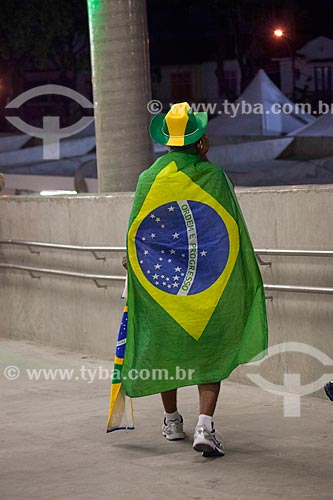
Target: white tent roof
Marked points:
322	127
263	92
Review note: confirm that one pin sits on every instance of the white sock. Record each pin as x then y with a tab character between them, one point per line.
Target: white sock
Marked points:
207	421
172	416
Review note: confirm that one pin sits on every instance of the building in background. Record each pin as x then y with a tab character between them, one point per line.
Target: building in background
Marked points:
201	82
195	83
314	69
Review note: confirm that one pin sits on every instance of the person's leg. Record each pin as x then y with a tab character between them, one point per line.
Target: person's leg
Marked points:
205	439
208	394
172	428
169	400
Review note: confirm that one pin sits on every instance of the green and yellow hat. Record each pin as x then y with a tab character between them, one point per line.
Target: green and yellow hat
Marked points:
179	127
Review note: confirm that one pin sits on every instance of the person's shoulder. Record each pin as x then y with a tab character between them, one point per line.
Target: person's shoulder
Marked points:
212	168
156	166
150	173
216	171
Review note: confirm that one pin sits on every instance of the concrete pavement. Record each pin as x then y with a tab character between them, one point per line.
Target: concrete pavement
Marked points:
54	445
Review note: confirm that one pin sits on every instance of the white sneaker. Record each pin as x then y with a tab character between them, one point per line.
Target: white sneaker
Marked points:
207	442
173	430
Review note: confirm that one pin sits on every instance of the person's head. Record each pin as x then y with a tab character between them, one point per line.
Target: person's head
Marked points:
181	129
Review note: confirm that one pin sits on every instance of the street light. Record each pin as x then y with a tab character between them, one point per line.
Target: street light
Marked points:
280	34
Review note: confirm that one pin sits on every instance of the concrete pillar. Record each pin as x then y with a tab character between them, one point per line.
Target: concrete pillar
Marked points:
121	86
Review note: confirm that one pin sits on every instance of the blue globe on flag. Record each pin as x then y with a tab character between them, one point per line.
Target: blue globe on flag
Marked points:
179	247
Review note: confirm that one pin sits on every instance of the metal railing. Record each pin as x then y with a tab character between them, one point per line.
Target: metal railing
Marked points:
31	245
295	288
102	248
289	253
34	271
294	253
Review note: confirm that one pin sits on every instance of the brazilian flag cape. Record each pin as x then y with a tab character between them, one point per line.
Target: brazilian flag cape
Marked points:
196	304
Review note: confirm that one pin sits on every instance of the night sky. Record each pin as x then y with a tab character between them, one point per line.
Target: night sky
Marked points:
180	31
197	30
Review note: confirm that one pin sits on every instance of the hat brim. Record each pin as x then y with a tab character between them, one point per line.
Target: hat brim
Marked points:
157	134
